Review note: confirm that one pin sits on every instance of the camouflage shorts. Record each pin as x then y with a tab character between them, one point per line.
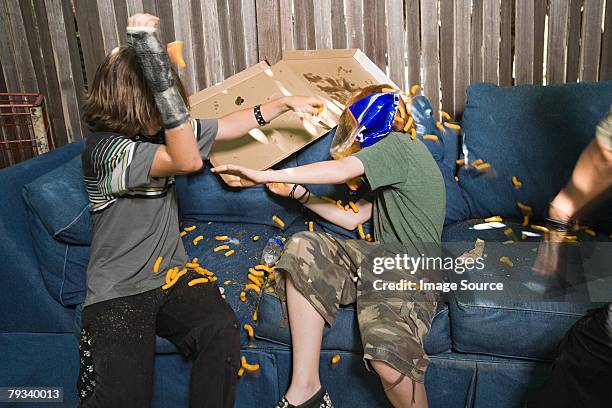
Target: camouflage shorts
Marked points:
329	273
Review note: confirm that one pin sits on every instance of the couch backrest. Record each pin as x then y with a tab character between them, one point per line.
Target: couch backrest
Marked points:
25	301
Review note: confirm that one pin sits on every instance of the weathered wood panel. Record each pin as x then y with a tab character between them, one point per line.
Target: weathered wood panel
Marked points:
443	45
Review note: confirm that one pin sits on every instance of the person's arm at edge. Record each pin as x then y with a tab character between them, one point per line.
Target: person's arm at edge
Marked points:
238	123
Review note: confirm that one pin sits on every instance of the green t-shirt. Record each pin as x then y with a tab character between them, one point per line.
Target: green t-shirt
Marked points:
408	189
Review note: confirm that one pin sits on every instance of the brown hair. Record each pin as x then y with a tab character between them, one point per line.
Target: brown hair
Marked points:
119	99
342	146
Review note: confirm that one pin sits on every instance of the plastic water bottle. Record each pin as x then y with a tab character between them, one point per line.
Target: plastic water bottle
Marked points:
272	251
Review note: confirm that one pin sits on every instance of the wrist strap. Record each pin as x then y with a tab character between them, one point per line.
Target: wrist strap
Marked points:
292	193
258	116
306	193
558	225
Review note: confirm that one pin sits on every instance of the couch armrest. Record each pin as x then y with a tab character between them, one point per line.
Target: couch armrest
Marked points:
26	303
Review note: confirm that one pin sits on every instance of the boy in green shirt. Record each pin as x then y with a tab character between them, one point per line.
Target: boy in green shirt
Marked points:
323	272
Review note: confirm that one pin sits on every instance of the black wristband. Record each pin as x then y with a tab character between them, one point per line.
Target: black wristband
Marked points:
292	193
306	192
558	225
258	116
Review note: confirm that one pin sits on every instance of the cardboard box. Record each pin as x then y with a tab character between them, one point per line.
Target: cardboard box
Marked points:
332	75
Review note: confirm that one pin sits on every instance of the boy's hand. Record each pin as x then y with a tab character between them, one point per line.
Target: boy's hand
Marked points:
143	20
304	104
245	177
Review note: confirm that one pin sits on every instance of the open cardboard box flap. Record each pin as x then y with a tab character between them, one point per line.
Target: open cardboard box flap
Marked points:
332	75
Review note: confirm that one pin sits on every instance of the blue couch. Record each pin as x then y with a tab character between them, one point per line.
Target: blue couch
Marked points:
485	351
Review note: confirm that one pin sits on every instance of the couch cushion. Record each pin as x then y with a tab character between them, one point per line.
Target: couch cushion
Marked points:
535	133
532	310
63	266
344	333
60	201
24	292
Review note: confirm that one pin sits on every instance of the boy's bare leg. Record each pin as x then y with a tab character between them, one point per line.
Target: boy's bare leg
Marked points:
400	394
306	337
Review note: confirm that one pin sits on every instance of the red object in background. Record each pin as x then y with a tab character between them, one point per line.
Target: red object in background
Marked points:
25	130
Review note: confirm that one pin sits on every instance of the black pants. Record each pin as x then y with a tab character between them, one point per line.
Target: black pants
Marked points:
582	371
117	345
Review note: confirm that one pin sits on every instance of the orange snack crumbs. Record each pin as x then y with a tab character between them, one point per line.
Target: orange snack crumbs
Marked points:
221	248
354	207
197	281
190	228
431	137
335	359
517	183
506	260
197	239
495	218
278	221
252	286
158	262
221	238
230	252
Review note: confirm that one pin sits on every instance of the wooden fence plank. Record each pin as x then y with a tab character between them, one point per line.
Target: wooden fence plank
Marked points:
557	40
75	63
446	54
165	11
121	17
249	24
505	44
225	36
573	41
62	55
213	62
304	25
23	59
538	39
134	6
322	23
605	63
491	34
461	56
286	25
197	37
53	94
354	23
338	25
182	27
413	41
237	35
591	40
395	39
268	30
524	37
108	25
33	37
375	37
90	32
431	60
476	74
7	51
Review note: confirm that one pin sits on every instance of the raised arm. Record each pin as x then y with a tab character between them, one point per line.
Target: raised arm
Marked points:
238	123
325	172
180	155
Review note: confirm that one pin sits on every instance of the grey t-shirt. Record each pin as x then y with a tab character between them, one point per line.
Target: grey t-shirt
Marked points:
135	215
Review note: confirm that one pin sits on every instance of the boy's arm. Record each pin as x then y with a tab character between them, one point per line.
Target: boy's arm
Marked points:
181	154
239	123
325	172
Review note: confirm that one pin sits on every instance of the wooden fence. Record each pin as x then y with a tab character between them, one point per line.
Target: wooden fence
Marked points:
54	46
